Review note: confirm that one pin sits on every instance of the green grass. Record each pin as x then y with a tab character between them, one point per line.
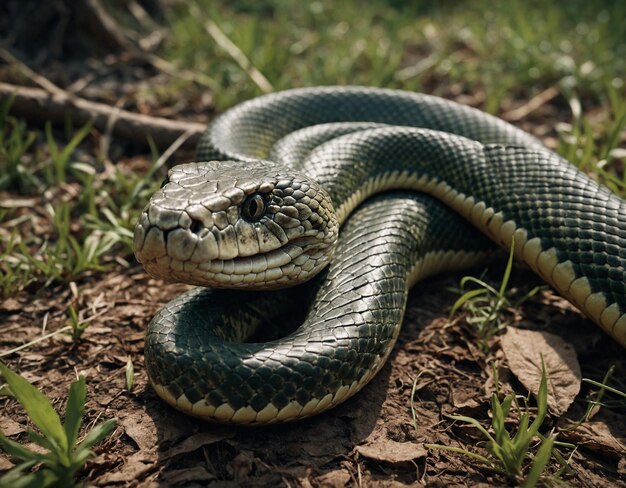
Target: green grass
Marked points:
497	48
596	398
500	52
521	456
486	305
84	222
63	455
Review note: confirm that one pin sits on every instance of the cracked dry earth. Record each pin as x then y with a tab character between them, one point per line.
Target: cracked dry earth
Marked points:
373	439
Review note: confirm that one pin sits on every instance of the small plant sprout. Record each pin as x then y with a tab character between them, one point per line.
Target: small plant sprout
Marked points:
62	455
130	374
486	305
78	326
60	158
596	398
523	456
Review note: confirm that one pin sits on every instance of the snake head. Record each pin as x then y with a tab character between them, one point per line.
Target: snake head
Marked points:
229	224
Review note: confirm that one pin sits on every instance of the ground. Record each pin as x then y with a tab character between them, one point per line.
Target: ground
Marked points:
439	367
371	439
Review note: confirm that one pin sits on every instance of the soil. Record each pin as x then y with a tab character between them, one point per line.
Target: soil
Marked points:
370	440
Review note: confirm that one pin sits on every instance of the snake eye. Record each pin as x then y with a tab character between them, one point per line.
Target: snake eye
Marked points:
253	207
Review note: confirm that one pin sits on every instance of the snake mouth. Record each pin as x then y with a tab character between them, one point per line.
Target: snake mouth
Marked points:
273	269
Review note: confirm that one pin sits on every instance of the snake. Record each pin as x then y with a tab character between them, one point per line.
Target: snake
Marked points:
321	207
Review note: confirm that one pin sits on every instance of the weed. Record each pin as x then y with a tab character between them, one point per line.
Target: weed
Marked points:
64	455
486	305
15	141
596	398
509	454
91	216
77	326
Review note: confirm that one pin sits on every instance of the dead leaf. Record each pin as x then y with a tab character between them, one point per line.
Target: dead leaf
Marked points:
524	349
141	429
194	442
134	467
596	436
11	305
339	477
392	452
186	476
5	463
10	427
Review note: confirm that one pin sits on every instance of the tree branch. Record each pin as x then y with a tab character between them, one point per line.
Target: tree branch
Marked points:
35	103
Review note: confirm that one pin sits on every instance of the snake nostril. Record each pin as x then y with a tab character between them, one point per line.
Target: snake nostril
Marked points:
196	226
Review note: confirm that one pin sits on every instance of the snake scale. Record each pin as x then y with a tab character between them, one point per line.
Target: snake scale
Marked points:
267	207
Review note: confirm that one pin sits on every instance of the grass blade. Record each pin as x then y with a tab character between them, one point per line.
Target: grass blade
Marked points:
605	387
97	434
467	296
508	269
541	460
471	454
16	450
74	410
37	406
475	423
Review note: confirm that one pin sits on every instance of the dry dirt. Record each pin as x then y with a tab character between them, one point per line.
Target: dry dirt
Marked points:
370	440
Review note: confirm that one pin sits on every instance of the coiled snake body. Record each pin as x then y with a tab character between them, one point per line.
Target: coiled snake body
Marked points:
281	174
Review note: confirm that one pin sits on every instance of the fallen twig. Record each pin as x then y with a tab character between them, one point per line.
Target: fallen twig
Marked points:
35	103
23	68
234	52
533	104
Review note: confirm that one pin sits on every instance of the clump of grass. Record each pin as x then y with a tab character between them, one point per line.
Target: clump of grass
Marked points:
77	326
595	399
64	456
497	50
89	215
597	148
486	305
15	141
523	456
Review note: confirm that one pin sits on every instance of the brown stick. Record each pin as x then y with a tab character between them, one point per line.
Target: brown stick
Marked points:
35	103
533	104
